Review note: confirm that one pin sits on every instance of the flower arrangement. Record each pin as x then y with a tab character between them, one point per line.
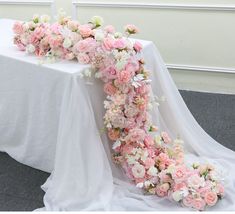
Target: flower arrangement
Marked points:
148	156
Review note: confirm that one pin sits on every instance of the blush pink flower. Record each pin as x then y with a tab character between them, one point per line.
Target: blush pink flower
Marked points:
113	134
160	191
108	43
39	32
149	162
148	141
131	29
85	30
135	135
165	137
188	201
124	76
109	29
179	186
119	43
211	198
109	88
138	46
179	172
131	110
18	28
198	204
56	28
109	72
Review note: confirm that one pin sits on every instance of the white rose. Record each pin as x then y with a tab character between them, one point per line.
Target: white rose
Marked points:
45	18
138	171
97	21
67	43
177	196
30	48
152	171
99	36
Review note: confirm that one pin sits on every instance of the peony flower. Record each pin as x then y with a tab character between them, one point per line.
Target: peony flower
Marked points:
109	88
211	198
198	204
97	21
138	171
18	28
85	30
131	29
179	173
138	46
113	134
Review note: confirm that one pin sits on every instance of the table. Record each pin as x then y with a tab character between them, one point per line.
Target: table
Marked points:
50	119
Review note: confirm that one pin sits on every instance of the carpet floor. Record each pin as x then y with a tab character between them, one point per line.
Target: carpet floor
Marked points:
20	185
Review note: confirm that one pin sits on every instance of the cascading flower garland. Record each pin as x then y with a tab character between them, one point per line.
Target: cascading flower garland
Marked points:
154	162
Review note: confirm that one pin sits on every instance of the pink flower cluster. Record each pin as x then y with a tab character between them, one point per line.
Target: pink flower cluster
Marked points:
150	158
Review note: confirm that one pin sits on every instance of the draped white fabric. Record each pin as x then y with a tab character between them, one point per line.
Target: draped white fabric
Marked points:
51	119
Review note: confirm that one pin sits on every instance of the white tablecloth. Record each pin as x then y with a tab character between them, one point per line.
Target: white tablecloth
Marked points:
50	119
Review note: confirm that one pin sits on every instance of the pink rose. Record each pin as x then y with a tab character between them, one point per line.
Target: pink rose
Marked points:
85	30
179	186
108	44
164	187
109	29
18	28
198	204
83	58
179	173
124	76
135	135
160	192
21	47
109	88
113	134
165	137
119	43
85	45
127	148
188	201
211	198
138	46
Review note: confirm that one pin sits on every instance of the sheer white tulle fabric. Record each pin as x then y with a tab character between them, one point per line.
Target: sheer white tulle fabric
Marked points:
69	144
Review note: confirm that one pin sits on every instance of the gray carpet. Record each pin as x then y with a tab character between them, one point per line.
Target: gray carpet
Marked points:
20	184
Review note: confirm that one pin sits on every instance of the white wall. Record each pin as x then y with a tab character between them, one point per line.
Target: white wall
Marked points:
195	37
